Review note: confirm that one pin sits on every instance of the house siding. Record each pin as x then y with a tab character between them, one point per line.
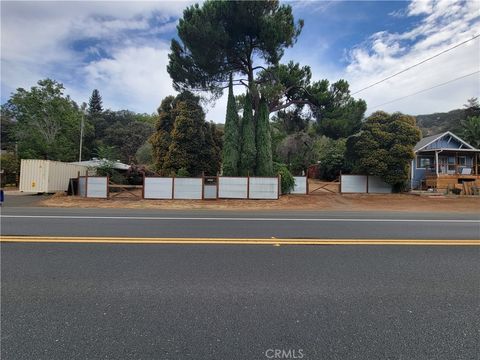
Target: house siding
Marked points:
444	144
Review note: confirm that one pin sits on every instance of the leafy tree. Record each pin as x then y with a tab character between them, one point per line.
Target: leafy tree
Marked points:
297	151
10	167
144	154
231	150
331	157
95	106
471	131
7	128
127	135
107	168
48	122
249	152
263	142
385	147
107	152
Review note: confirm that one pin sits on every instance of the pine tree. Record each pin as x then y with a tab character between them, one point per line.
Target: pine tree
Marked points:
95	103
161	139
264	142
231	153
248	150
185	150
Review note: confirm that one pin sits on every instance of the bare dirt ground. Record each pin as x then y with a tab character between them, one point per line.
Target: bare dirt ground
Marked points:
321	201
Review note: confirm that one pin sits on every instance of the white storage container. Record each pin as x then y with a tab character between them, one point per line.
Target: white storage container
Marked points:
46	176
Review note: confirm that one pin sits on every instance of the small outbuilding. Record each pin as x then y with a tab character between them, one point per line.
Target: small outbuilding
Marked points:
442	161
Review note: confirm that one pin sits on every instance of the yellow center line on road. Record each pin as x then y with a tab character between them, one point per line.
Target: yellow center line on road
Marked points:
236	241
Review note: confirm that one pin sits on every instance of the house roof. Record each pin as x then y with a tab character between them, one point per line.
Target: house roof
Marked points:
94	163
431	139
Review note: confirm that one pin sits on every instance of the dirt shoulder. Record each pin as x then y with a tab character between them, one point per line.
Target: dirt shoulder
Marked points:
320	202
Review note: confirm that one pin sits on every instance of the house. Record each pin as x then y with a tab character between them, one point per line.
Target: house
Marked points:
443	160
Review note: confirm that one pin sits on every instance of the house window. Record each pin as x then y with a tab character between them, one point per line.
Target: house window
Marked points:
462	161
424	162
451	165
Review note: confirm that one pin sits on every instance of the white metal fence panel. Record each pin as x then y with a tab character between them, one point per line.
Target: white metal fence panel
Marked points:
233	187
158	188
82	182
263	188
97	187
188	188
210	192
300	185
377	185
354	183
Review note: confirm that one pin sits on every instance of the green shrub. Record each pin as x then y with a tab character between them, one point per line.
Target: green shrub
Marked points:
183	172
287	181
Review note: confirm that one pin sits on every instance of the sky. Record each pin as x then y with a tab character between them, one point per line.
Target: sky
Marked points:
121	48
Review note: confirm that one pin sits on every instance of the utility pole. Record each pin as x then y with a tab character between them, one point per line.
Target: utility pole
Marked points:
81	138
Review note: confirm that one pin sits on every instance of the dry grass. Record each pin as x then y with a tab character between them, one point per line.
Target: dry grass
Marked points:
316	201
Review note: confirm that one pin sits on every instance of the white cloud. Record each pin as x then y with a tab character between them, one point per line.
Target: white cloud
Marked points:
444	24
135	78
418	7
37	39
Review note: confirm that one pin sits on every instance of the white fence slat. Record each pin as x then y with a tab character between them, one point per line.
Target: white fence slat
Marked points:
300	185
354	183
188	188
82	180
210	191
263	188
232	187
97	187
378	186
158	188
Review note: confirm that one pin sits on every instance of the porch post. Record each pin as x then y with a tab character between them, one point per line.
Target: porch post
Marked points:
475	163
436	162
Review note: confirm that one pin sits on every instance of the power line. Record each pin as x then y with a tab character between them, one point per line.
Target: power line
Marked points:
415	65
430	88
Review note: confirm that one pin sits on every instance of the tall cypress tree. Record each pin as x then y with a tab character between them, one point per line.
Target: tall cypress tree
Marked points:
231	151
248	150
264	142
95	103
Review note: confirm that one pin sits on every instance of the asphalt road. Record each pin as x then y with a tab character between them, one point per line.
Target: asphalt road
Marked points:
100	301
217	224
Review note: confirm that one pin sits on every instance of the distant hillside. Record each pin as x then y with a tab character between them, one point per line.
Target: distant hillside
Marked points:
437	123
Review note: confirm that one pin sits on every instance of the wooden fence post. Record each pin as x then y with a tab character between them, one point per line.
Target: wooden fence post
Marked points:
86	183
279	185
